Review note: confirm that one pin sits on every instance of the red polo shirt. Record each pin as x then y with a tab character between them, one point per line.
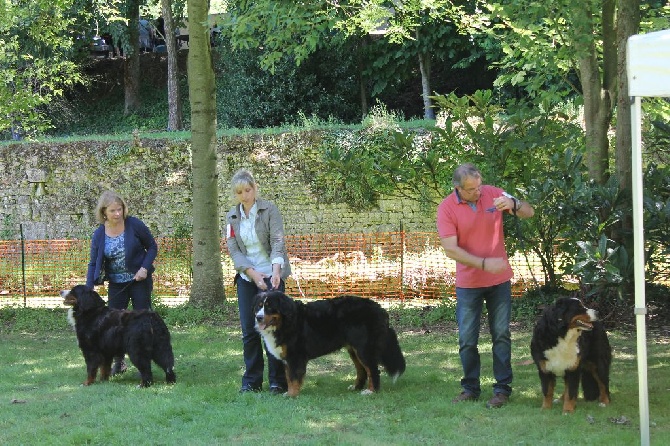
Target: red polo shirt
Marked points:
478	231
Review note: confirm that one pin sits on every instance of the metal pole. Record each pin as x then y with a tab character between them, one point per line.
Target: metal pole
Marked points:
638	256
23	265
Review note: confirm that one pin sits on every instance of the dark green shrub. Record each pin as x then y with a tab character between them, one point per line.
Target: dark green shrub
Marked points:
324	86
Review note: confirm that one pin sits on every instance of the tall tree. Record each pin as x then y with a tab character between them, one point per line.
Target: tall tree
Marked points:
175	116
628	24
131	65
207	289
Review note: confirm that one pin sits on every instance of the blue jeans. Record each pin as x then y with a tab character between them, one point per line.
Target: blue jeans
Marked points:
469	303
252	344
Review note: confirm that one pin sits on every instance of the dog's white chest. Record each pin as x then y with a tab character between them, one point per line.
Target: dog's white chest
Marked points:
565	355
271	344
268	337
70	317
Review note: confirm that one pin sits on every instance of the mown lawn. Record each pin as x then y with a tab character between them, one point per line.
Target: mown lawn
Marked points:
44	403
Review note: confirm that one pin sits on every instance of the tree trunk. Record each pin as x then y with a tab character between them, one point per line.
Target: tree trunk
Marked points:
598	92
424	67
207	289
131	65
175	116
628	23
362	87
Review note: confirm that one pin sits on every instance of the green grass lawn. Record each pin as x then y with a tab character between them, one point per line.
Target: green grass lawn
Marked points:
43	402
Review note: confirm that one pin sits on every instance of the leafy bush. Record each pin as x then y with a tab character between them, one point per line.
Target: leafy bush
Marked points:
323	87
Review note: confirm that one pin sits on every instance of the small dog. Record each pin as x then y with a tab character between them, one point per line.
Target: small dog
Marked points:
569	341
296	332
104	333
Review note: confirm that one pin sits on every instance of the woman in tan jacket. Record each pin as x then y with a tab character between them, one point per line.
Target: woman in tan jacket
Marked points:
255	241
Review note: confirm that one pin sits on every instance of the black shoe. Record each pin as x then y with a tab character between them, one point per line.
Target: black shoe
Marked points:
277	390
249	388
119	366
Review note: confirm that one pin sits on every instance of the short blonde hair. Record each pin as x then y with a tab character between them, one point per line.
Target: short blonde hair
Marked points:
108	198
242	178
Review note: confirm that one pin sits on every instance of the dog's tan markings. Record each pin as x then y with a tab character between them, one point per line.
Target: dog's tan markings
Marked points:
105	373
294	387
569	404
90	379
548	398
361	374
603	399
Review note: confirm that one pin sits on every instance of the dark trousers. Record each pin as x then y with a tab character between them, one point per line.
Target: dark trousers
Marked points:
119	295
252	344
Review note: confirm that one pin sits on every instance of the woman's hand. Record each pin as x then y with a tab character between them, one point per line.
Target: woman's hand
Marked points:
257	278
275	280
140	275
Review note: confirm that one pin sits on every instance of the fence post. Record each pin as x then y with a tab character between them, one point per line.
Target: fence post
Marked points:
23	265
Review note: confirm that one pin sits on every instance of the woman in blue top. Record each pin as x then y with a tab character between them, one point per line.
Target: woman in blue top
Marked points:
122	253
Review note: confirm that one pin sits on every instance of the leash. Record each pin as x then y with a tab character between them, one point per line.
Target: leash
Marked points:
123	289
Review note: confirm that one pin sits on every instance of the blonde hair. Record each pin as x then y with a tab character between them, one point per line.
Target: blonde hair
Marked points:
242	178
108	198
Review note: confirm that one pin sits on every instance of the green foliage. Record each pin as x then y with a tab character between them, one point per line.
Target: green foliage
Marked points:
656	203
512	145
32	320
322	87
603	266
104	115
36	53
355	161
526	309
190	316
285	30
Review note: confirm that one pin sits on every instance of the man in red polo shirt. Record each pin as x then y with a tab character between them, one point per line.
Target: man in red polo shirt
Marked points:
470	226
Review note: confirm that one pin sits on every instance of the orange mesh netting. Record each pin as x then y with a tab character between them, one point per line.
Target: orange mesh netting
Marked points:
390	265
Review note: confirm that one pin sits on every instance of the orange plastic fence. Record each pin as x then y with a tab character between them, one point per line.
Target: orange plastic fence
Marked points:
390	265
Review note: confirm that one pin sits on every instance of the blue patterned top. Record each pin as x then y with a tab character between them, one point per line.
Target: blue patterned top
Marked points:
115	253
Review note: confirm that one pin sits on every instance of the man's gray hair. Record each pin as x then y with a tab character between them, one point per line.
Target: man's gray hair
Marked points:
465	171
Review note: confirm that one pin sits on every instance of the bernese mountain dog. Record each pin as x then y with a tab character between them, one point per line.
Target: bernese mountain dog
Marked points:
570	342
296	332
104	333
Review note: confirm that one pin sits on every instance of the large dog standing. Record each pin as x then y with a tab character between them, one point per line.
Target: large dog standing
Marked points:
104	333
296	332
570	342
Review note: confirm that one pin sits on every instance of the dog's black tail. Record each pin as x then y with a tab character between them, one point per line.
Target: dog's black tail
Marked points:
392	357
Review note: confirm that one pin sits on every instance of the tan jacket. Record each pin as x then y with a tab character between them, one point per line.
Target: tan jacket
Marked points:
270	231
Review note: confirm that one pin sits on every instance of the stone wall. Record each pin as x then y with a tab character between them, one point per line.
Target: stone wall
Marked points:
49	190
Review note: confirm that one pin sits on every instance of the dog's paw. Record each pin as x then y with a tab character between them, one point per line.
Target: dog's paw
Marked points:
366	392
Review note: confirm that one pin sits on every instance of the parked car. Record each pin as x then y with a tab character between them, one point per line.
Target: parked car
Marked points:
100	48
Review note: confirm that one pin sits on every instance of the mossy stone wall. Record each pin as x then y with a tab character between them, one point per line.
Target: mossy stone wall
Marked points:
50	189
